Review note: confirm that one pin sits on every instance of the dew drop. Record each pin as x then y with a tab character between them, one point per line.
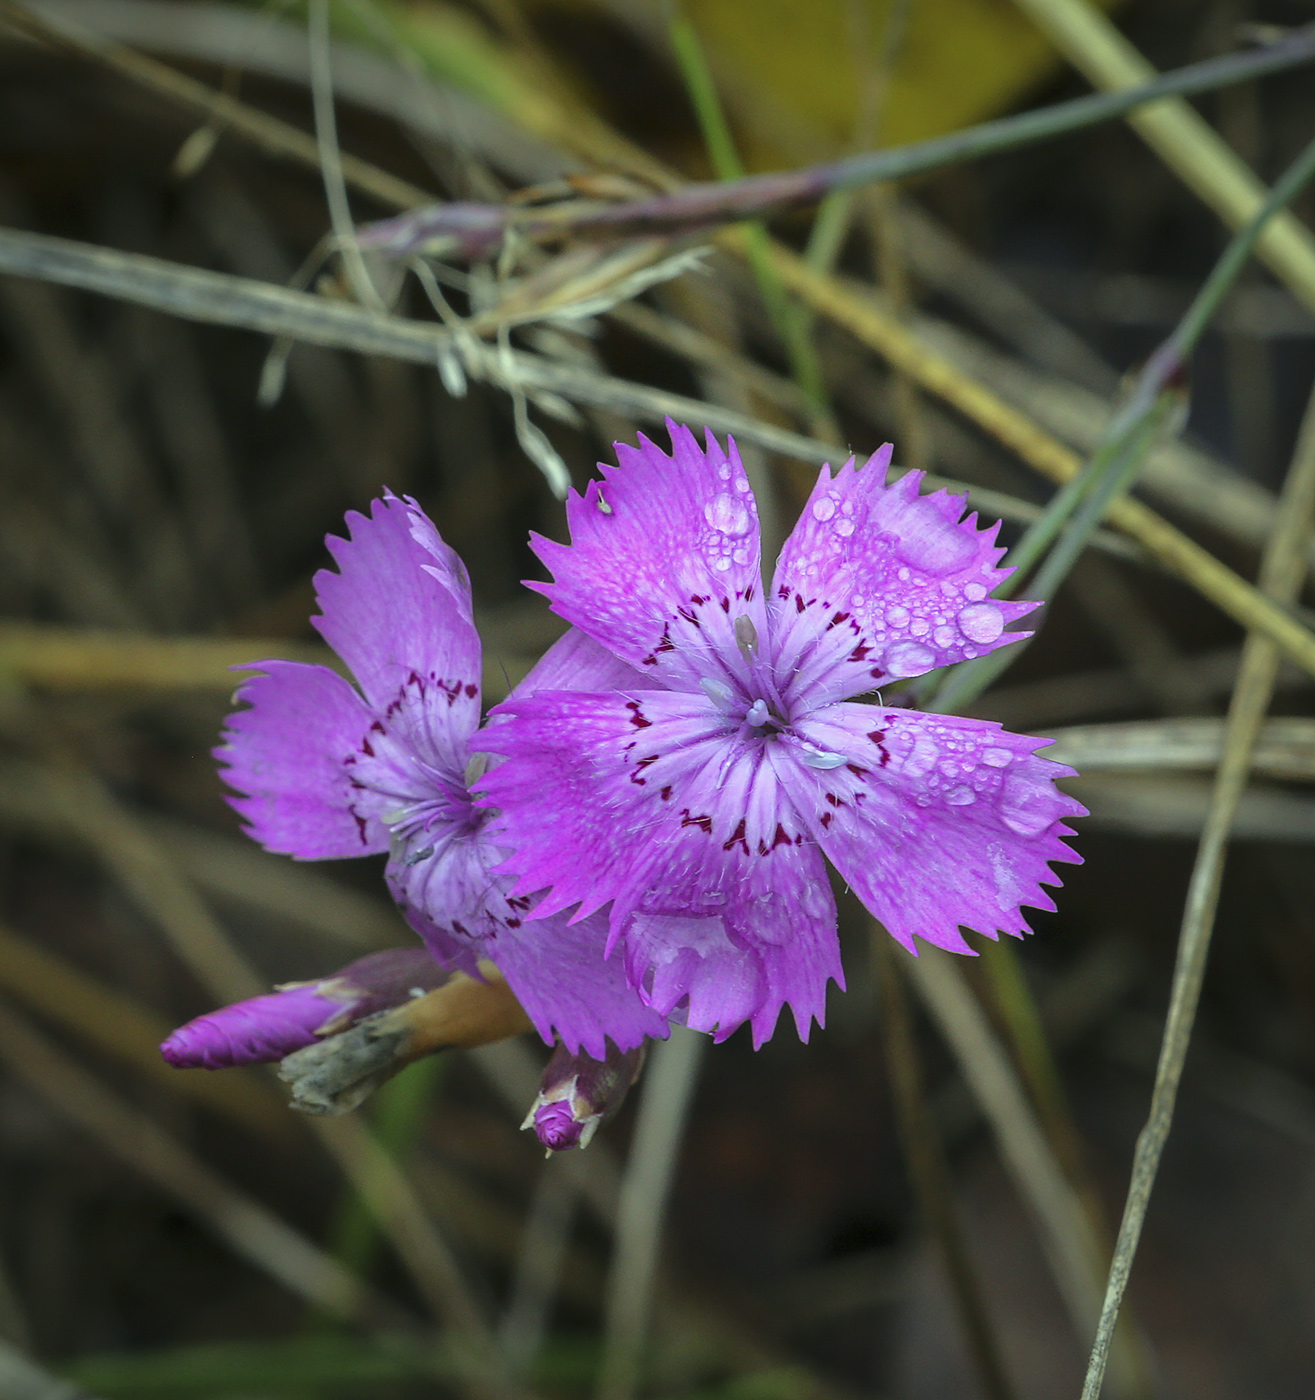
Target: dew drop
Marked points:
728	515
997	758
961	796
857	601
922	758
844	527
981	622
741	555
1026	806
724	471
722	563
924	537
943	637
897	616
824	508
974	592
909	659
919	626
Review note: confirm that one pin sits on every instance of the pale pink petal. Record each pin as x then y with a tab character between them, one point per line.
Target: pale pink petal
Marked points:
664	557
398	612
591	795
720	900
935	822
567	988
877	583
286	756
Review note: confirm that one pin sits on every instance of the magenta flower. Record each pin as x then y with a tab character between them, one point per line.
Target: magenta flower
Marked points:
700	797
298	1014
328	771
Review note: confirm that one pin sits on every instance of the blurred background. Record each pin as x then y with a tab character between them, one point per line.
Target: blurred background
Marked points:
167	1234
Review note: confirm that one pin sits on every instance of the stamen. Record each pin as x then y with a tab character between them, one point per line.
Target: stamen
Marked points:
718	692
758	713
746	636
820	758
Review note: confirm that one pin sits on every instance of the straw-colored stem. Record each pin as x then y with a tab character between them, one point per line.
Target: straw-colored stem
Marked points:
1282	570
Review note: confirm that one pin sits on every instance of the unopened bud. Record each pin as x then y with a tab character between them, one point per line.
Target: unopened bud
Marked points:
577	1093
301	1013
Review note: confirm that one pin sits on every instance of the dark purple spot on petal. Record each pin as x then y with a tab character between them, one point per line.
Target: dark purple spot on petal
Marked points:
665	794
860	652
636	716
799	604
737	838
472	690
826	819
703	822
513	923
837	620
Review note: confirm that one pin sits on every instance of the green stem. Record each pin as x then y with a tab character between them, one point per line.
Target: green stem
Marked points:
1149	411
790	325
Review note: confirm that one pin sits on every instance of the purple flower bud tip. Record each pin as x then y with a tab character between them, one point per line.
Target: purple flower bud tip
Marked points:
255	1031
556	1126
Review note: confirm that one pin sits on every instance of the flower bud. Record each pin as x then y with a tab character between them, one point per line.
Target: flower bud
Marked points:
298	1014
577	1093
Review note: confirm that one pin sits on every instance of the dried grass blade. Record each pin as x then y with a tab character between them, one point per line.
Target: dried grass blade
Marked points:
1281	573
668	1087
249	1229
1178	135
930	1174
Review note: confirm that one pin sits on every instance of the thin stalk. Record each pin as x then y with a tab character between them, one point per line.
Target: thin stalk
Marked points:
222	299
693	65
1131	436
477	229
668	1087
1281	572
929	1172
399	1111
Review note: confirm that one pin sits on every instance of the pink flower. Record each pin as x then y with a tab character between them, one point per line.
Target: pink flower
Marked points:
325	770
700	796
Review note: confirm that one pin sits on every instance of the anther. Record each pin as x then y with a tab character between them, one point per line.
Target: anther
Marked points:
746	636
718	692
758	713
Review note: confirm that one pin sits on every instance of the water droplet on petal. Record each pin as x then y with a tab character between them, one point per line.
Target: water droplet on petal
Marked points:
961	796
981	622
897	616
922	758
728	515
844	528
943	637
974	592
824	508
722	564
909	659
919	626
1026	806
724	471
997	758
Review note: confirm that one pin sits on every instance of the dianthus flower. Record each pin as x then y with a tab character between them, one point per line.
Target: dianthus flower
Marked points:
328	771
701	797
